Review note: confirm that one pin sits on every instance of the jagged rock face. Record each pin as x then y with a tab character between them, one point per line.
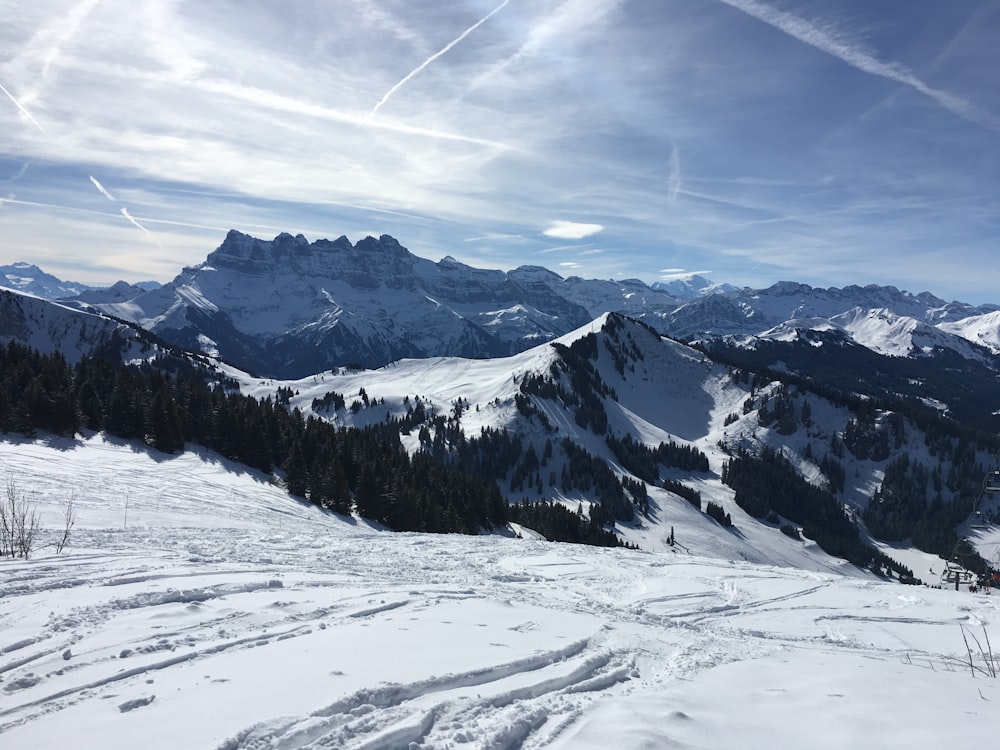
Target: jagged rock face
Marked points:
289	308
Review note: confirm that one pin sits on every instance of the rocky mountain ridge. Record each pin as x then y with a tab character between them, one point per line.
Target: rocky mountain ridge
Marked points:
288	307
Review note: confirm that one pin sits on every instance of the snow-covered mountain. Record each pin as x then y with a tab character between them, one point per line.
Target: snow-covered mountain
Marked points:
29	278
692	287
615	381
120	291
881	318
598	405
287	307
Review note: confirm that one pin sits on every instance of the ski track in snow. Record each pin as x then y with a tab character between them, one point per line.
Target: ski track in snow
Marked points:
508	643
219	613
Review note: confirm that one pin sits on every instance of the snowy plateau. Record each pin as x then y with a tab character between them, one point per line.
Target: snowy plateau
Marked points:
200	607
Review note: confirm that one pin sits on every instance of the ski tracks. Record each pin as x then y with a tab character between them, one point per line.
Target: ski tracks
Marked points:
499	707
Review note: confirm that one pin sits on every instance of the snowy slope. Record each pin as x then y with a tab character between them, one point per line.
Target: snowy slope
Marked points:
220	614
51	327
979	329
672	393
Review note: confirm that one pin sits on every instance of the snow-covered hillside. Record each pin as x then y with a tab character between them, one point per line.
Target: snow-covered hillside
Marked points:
663	392
50	327
198	606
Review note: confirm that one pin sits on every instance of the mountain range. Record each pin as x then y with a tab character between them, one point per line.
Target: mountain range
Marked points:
287	308
641	406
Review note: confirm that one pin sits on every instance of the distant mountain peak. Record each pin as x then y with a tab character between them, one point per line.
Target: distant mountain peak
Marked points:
29	278
691	287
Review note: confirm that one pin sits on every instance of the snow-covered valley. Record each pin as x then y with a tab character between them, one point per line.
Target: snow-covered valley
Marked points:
198	606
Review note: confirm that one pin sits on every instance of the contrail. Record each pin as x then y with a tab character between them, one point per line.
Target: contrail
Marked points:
131	218
858	58
432	58
100	187
25	112
674	177
71	24
20	173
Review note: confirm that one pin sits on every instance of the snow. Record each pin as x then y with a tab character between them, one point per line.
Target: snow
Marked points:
219	613
673	394
979	329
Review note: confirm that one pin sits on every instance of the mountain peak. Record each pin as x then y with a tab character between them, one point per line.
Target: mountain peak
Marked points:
29	278
385	244
691	287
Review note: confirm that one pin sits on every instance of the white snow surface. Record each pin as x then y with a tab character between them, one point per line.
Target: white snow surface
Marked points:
198	606
980	329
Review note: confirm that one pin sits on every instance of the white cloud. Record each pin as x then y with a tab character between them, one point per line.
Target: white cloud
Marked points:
672	274
571	230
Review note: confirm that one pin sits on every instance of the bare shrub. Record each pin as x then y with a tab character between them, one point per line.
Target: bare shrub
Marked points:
19	523
69	520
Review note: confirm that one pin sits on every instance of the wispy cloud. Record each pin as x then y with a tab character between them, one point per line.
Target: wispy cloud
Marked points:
568	20
402	82
571	230
497	237
43	49
852	53
101	188
562	248
674	176
588	110
673	274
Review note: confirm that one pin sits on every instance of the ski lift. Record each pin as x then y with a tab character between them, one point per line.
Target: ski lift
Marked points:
955	574
992	481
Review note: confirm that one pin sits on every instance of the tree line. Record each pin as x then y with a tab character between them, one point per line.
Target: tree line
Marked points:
340	469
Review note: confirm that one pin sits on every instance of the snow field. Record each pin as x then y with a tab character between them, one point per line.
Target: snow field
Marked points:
226	615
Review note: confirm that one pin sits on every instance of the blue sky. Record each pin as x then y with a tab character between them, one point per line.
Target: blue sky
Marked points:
829	142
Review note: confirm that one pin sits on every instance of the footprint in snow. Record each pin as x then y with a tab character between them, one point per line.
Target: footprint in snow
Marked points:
135	703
